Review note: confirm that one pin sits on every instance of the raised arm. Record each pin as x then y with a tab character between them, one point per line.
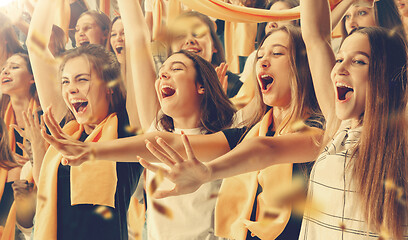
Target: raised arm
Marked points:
338	12
140	71
251	155
45	68
316	32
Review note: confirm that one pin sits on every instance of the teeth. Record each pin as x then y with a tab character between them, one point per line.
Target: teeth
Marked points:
265	76
193	50
77	101
167	86
339	84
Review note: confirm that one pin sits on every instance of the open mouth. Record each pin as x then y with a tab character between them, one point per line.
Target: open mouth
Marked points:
80	105
266	81
167	91
119	49
6	80
344	92
194	50
84	43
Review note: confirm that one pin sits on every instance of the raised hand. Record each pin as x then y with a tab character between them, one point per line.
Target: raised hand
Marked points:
187	174
222	77
74	152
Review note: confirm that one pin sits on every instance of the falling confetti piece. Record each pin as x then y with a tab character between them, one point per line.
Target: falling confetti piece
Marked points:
133	130
342	226
104	212
163	210
113	83
39	40
154	184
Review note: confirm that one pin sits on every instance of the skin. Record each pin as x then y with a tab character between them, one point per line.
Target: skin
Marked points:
402	7
351	68
359	16
178	73
88	31
271	25
194	37
117	40
81	83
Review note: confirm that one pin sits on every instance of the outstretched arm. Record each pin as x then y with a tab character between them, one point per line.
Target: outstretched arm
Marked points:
44	65
251	155
207	147
140	71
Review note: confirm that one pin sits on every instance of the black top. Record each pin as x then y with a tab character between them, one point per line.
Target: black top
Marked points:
234	84
81	221
5	203
292	230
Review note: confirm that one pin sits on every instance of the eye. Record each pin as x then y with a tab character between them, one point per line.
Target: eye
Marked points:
259	57
339	60
362	13
83	80
64	82
77	29
15	67
346	17
359	62
176	69
277	53
113	35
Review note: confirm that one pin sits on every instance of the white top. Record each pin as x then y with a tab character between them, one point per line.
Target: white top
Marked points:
193	214
336	210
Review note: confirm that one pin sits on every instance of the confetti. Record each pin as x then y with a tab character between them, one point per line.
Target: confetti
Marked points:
104	212
133	130
163	210
342	226
154	184
113	83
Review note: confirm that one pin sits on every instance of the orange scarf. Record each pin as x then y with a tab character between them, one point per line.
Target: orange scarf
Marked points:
10	118
94	182
234	13
237	195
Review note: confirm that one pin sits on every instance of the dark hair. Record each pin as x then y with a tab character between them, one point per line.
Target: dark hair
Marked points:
7	160
106	67
260	34
217	112
5	99
254	3
59	39
381	154
103	22
217	57
386	15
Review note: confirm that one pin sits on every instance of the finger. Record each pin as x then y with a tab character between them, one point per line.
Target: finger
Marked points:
50	139
170	151
18	129
224	69
151	167
158	154
224	84
52	124
21	160
187	146
20	145
36	120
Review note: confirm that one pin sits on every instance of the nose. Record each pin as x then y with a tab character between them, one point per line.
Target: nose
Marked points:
164	76
72	88
352	23
190	40
264	63
341	68
5	71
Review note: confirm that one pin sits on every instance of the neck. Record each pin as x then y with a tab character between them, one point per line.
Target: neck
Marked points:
188	122
88	128
20	104
279	113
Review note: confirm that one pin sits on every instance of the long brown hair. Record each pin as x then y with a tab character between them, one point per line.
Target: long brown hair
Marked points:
6	30
7	159
217	111
303	99
381	155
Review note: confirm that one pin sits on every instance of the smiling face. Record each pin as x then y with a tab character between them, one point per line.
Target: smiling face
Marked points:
279	5
191	34
87	31
402	6
178	93
359	16
15	77
84	92
117	40
350	76
273	70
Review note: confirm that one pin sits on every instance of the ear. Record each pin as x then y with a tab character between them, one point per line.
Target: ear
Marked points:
109	91
200	90
32	80
214	50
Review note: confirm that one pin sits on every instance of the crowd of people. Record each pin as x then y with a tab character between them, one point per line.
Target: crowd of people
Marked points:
148	119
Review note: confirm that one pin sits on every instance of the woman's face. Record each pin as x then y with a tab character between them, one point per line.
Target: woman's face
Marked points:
359	16
273	70
84	92
15	77
277	6
87	31
402	6
192	35
117	41
350	76
178	93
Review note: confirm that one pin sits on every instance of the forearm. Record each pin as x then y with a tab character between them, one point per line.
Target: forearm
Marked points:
25	211
261	152
338	12
140	71
206	147
315	19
